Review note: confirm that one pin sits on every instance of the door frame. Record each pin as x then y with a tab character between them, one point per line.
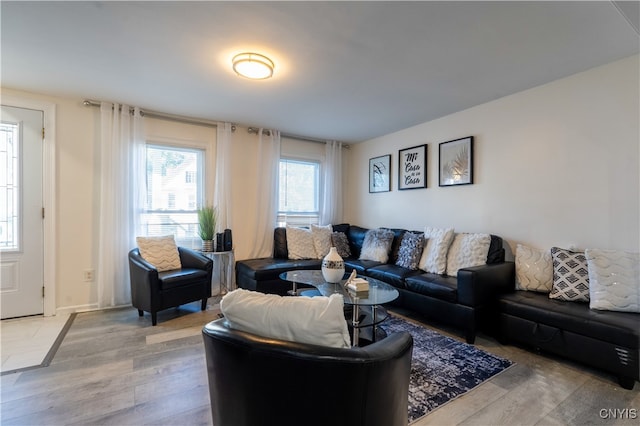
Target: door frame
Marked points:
48	191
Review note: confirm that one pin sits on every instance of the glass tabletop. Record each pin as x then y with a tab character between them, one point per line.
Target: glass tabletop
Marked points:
379	292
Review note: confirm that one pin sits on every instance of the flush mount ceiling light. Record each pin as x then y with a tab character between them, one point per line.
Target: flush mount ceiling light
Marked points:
253	66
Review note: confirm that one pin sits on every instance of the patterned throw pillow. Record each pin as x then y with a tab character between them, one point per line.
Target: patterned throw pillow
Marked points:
161	252
467	250
410	250
434	255
340	241
321	239
300	243
614	280
534	269
570	276
376	245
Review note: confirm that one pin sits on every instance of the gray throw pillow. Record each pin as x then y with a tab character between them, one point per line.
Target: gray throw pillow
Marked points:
410	250
340	241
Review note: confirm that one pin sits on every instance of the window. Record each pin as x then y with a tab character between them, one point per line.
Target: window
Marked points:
9	186
171	201
299	192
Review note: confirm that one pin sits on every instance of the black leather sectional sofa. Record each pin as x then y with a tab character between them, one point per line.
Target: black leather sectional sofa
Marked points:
467	300
479	296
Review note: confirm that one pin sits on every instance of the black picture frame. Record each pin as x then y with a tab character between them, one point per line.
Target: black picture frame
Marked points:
455	162
380	174
412	167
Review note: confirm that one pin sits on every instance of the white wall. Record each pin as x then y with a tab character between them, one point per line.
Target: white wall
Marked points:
554	165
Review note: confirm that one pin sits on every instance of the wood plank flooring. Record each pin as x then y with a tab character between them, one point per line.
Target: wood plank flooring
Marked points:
114	368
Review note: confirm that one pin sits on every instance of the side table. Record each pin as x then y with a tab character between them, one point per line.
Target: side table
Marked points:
223	262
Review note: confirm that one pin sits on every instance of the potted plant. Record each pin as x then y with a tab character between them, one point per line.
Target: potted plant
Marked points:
207	218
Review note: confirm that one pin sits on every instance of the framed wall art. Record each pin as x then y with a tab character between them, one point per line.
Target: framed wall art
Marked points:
380	174
412	167
456	162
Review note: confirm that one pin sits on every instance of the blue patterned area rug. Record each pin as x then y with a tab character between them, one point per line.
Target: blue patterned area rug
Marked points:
442	368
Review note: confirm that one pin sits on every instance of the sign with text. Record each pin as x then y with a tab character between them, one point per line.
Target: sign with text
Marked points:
412	170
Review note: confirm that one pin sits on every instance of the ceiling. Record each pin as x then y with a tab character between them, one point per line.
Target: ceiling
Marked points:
349	71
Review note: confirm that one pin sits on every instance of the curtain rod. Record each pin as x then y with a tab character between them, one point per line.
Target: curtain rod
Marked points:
208	123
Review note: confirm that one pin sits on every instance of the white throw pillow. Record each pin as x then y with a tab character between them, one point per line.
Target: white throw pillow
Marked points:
614	280
377	245
534	269
300	243
161	252
467	250
321	239
315	320
434	255
570	276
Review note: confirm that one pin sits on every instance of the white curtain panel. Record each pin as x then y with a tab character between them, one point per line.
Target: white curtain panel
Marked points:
122	189
331	207
268	153
222	193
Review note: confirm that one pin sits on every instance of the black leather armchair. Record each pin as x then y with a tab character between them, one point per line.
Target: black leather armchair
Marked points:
256	381
153	291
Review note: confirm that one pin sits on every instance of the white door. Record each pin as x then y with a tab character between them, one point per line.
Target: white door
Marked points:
21	215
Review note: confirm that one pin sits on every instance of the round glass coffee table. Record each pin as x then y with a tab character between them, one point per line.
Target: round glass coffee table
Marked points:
378	294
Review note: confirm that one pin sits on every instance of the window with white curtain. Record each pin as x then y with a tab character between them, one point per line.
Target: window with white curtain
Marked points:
175	187
299	192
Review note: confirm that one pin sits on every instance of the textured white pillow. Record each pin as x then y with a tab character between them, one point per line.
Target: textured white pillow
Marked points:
534	269
316	320
161	252
321	239
434	255
377	245
467	250
614	280
300	243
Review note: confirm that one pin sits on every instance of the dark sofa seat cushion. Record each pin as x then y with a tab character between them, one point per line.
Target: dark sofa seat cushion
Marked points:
437	286
391	274
621	328
360	266
269	268
178	277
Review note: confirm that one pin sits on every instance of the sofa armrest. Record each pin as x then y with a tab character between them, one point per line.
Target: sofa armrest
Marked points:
480	285
192	259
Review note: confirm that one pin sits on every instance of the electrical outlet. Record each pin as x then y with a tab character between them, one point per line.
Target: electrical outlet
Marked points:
87	275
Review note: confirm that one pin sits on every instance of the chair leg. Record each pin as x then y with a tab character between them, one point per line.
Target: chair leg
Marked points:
203	306
154	318
140	312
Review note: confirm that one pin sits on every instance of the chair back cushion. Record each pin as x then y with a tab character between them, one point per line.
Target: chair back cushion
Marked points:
315	320
161	252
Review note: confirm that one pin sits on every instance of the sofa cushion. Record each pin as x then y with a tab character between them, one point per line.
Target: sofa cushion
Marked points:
614	280
434	285
467	250
434	255
356	236
570	276
360	266
161	252
391	274
398	234
280	250
268	268
377	245
534	269
342	227
179	277
315	320
496	251
300	243
410	250
621	328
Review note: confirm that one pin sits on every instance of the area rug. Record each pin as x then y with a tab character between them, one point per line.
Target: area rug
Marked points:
442	368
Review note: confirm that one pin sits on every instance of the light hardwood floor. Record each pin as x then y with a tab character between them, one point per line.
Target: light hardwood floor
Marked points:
115	368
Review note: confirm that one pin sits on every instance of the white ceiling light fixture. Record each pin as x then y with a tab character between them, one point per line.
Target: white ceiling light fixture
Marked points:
253	65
